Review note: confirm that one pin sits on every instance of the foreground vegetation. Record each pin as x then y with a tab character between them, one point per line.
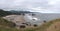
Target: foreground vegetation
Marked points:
45	26
5	22
4	13
6	25
10	26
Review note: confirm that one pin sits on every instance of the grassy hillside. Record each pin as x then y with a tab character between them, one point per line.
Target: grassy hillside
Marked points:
3	28
7	25
53	25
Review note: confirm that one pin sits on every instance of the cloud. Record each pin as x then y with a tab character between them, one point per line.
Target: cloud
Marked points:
44	6
20	3
49	6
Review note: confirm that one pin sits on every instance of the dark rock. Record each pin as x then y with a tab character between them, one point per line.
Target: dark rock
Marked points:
22	26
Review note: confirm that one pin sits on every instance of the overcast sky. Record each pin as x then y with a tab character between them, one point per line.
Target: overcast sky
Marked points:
43	6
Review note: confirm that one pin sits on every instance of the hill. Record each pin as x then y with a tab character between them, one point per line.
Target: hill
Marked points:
5	22
53	25
4	13
6	25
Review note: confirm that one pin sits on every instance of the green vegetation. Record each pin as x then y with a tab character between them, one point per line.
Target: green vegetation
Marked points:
7	23
4	13
9	26
2	28
44	26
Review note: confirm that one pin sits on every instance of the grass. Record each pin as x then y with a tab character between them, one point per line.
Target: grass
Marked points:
2	28
44	26
4	23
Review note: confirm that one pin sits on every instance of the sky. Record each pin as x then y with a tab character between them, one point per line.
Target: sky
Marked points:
43	6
